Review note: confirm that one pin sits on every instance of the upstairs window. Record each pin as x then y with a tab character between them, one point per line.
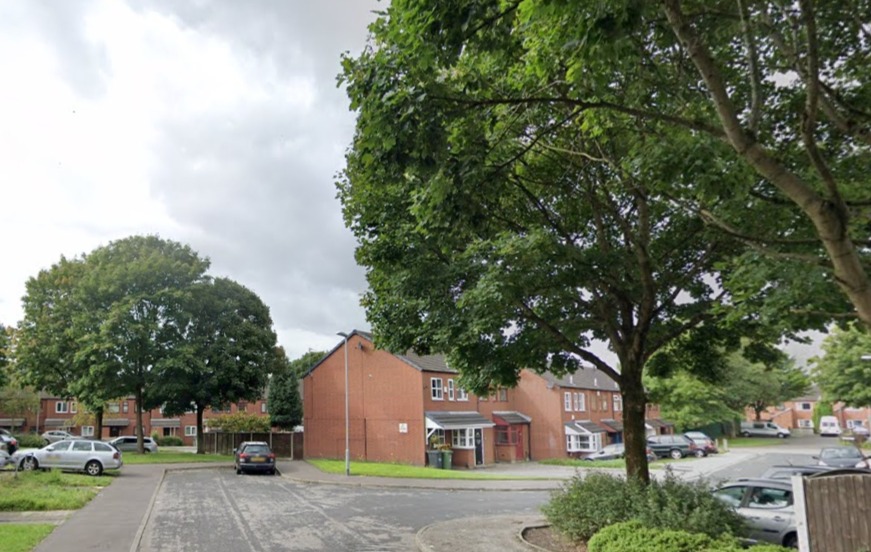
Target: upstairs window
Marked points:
436	390
450	389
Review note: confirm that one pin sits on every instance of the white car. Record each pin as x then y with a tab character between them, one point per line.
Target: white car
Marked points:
91	457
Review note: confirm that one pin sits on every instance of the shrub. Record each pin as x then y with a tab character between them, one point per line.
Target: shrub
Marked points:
30	440
586	505
634	536
169	441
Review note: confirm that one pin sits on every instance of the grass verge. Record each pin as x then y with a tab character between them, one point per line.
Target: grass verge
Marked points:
161	457
48	490
739	442
404	471
23	537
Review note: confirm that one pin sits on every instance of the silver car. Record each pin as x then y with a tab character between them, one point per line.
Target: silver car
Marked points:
129	443
766	506
91	457
55	435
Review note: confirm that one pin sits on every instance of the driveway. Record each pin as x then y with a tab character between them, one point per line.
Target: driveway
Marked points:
215	509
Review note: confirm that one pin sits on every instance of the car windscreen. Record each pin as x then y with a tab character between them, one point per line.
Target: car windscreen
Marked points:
847	452
256	449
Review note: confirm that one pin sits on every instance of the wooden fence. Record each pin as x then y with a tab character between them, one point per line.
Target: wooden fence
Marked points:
285	445
836	512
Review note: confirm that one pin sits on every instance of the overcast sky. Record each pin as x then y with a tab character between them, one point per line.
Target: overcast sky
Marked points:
215	123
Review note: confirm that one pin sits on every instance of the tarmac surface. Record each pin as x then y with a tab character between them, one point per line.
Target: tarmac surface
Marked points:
115	519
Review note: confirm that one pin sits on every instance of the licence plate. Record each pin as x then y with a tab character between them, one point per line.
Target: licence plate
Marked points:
258	459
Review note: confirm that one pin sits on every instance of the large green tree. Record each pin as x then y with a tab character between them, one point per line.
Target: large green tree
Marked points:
223	354
5	344
843	372
284	401
514	234
692	401
780	90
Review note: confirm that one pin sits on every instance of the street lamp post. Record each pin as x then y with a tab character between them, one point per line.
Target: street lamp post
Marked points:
347	433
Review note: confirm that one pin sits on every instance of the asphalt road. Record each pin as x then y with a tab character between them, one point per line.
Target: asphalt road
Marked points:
216	510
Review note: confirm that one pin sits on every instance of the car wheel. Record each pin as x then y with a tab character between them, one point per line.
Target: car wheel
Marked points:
791	540
238	471
94	468
700	454
745	434
781	436
29	464
676	454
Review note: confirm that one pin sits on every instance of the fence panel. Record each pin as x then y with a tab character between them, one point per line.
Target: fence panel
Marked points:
838	513
285	445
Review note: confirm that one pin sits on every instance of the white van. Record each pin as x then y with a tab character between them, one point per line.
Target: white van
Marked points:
829	426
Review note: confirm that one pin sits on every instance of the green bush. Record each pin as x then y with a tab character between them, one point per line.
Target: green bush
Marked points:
588	504
30	440
169	441
634	536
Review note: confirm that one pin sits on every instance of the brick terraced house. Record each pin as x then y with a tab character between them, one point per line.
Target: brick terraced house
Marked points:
400	405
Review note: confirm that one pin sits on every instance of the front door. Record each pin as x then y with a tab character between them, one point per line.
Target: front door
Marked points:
518	453
479	447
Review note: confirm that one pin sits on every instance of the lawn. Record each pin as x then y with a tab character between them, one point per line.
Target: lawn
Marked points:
48	490
659	464
23	537
739	442
379	469
161	457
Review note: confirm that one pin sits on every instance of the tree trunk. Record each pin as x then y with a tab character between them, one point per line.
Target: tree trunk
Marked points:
634	434
140	442
98	422
200	444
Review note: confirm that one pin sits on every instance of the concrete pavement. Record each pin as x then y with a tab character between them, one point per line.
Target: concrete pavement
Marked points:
114	519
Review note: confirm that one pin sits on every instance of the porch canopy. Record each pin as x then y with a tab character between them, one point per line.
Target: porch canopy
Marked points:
612	426
59	422
583	428
165	422
11	422
116	422
511	417
456	420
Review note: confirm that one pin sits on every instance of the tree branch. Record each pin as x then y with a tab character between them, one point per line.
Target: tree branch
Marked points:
753	66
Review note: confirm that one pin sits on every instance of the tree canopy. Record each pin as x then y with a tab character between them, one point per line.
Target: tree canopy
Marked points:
843	372
285	403
512	229
224	351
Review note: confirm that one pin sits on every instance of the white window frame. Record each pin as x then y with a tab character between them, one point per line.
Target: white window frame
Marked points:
87	431
263	408
463	438
806	406
113	407
437	392
580	402
805	423
617	402
567	401
462	394
190	431
61	407
450	389
74	407
580	442
125	407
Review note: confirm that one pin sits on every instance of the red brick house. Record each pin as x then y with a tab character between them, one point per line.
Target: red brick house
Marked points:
399	405
119	418
798	413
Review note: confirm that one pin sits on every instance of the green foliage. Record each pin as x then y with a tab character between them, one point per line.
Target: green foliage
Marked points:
634	536
239	422
5	342
284	401
169	441
841	372
820	409
692	401
30	440
48	490
586	505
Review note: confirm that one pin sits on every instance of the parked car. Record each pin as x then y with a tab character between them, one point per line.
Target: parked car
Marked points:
8	442
615	451
55	435
763	429
845	456
766	506
254	456
91	457
675	446
787	471
703	442
829	426
129	443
